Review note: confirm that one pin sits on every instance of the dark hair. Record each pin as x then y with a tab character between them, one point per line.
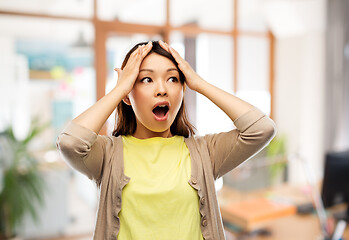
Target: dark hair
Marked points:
125	118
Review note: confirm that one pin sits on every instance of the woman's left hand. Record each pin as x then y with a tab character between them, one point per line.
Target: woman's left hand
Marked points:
192	78
233	106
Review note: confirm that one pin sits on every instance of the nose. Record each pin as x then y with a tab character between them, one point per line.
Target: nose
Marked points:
160	89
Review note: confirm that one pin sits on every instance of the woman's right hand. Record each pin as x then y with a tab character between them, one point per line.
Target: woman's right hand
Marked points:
96	115
128	75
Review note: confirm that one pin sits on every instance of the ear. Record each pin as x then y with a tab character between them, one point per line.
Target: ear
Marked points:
126	100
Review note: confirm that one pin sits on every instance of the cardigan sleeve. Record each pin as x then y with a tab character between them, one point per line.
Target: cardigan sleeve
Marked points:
83	149
254	130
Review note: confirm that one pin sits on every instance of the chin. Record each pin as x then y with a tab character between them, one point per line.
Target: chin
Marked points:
160	128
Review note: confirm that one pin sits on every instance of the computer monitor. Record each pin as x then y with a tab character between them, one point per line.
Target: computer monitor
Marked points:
335	187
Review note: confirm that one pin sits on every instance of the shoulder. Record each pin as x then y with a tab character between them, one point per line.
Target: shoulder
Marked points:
110	141
212	137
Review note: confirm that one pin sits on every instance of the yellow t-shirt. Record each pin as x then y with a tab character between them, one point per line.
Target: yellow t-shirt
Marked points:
158	202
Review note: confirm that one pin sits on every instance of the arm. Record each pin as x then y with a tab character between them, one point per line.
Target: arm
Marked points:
83	150
95	116
79	144
254	130
233	106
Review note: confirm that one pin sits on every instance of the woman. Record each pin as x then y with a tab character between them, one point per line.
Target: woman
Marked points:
156	178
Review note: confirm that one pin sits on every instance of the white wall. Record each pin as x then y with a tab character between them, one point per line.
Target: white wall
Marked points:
299	98
300	87
213	63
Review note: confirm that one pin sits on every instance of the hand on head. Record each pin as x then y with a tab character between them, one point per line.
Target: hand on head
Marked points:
192	78
128	75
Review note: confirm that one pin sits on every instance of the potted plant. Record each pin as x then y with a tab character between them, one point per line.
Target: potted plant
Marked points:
277	157
21	183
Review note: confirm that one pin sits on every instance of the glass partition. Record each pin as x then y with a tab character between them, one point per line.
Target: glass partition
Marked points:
71	8
47	72
217	15
152	12
253	71
251	15
58	64
214	64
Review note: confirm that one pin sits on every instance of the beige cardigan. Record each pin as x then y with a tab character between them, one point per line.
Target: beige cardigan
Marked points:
212	156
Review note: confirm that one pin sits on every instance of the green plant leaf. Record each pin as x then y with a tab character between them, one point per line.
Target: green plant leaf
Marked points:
276	151
35	130
23	184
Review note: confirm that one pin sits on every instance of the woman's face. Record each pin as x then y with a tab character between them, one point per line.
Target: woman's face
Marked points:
156	97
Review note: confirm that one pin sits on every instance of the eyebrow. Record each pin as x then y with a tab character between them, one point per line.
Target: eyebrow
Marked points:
151	70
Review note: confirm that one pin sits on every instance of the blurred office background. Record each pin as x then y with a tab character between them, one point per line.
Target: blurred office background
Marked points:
289	58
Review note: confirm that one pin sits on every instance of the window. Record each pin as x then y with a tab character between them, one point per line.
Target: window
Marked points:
253	72
150	12
71	8
202	14
232	46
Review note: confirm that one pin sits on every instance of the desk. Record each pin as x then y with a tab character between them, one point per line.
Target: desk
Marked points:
291	227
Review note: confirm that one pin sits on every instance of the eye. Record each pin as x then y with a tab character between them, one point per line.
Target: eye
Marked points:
173	79
146	80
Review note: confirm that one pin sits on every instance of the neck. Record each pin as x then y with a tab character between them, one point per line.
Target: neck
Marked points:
150	134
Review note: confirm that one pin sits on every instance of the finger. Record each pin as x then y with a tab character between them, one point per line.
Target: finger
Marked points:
138	55
173	52
176	55
164	45
135	56
144	49
135	52
118	70
147	48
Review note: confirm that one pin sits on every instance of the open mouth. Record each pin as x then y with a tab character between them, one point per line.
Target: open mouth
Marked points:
161	111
